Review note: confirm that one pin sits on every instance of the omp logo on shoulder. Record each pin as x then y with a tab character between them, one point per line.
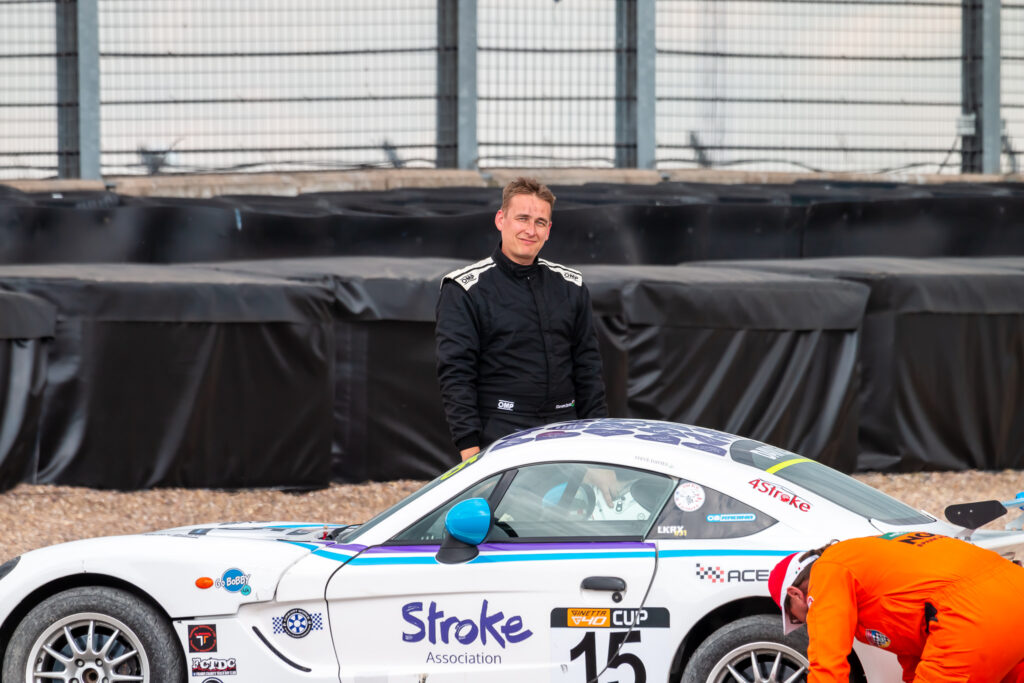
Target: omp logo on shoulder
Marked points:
467	278
584	617
779	493
506	405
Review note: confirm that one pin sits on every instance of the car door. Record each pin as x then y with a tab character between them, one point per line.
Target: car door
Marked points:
559	574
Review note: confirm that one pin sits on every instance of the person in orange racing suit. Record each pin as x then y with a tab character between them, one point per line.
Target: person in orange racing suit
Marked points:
949	610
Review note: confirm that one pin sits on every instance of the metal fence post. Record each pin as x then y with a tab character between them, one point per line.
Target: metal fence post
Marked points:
981	121
635	51
78	89
991	106
456	84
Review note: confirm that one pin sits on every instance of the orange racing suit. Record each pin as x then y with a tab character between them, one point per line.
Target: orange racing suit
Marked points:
949	610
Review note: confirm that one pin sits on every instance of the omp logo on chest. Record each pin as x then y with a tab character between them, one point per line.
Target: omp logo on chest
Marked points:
432	624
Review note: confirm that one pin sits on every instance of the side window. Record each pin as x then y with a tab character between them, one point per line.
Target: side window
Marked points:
695	511
430	529
577	500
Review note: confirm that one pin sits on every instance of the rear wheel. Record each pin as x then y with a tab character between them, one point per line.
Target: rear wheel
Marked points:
93	635
750	650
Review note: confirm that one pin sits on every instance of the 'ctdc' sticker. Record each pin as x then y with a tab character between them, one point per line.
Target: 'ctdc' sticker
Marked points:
234	581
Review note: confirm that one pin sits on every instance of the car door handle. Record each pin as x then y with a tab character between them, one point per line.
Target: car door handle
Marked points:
603	583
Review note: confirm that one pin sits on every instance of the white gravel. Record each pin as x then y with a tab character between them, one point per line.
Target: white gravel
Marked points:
36	516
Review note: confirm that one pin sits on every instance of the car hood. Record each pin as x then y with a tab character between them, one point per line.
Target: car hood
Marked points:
297	532
203	569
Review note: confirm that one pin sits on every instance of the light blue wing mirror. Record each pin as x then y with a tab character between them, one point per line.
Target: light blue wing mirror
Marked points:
469	521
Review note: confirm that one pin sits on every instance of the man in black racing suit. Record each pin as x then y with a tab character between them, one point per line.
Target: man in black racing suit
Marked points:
516	346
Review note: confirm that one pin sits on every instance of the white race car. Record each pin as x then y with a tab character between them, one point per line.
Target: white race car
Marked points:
596	550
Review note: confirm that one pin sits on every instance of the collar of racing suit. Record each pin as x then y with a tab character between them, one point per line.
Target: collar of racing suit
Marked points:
510	266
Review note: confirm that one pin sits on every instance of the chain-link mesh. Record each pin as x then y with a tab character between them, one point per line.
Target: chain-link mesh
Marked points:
1012	83
188	85
836	85
266	85
546	83
28	89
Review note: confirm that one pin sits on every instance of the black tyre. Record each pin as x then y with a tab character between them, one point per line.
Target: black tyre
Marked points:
747	650
91	635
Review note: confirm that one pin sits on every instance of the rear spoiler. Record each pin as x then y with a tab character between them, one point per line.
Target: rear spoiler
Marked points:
974	515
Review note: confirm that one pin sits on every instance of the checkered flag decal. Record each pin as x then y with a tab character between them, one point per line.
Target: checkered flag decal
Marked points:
877	638
712	574
278	624
316	621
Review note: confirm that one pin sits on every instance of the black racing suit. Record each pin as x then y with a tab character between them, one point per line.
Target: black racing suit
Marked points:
516	348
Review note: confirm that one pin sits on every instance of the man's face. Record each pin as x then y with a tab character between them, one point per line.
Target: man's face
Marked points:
525	225
796	606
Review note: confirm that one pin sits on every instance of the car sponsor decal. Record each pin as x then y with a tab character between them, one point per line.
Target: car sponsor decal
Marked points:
736	517
204	666
689	497
772	452
591	617
202	638
915	538
234	580
780	493
211	680
673	530
431	623
297	623
698	438
625	643
716	574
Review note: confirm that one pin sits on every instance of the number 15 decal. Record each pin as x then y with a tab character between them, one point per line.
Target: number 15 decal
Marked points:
587	648
627	644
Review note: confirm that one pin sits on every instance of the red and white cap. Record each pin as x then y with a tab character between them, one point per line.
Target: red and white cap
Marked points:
781	578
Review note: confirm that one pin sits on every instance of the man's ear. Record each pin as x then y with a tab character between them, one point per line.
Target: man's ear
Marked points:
497	218
795	592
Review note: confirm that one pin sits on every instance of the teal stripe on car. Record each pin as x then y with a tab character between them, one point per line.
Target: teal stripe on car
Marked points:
495	558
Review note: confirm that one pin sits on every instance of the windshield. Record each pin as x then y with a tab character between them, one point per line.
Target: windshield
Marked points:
380	517
826	482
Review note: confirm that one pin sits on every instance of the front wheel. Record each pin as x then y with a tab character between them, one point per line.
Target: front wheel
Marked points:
94	634
750	650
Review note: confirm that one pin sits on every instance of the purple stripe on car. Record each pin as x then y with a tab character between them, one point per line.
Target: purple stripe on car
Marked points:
352	547
597	545
396	549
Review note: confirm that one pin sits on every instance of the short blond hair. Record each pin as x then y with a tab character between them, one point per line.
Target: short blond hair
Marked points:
524	185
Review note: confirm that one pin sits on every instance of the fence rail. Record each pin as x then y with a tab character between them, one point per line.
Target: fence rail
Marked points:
92	88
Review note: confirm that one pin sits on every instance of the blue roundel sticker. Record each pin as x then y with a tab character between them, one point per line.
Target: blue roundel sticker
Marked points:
234	581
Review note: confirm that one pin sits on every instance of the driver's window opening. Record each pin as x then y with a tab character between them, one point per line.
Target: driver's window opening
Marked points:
579	500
